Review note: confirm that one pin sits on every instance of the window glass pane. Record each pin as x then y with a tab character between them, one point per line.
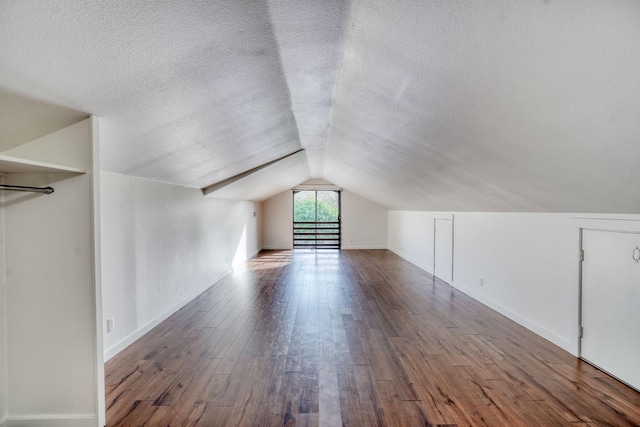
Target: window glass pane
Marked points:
304	206
328	209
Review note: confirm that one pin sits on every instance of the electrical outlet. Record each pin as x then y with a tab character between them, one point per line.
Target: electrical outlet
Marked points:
111	324
481	281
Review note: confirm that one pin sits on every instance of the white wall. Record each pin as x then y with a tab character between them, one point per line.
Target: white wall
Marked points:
277	222
258	208
50	305
411	236
364	223
3	325
50	302
528	263
162	245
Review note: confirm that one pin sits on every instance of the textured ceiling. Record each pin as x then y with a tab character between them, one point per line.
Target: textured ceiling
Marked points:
434	105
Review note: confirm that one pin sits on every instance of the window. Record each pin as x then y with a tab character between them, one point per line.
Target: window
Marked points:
316	219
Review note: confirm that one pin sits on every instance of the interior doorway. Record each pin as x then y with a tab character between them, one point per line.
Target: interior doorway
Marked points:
316	219
443	249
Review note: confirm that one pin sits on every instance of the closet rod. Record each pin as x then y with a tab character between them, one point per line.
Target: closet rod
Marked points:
45	190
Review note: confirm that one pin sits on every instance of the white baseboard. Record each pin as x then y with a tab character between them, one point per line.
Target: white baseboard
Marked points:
418	264
561	342
242	262
136	335
255	254
65	420
275	248
360	247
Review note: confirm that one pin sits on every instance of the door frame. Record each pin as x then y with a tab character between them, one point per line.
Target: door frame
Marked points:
609	223
448	217
339	222
617	227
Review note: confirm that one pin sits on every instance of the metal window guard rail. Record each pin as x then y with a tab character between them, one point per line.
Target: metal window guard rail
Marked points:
321	235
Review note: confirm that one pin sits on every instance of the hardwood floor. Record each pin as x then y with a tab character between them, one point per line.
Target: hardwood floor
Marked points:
354	338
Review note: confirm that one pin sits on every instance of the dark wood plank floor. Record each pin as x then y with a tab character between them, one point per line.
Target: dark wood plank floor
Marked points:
355	338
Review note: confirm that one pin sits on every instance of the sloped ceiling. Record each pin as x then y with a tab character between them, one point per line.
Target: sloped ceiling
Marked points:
431	105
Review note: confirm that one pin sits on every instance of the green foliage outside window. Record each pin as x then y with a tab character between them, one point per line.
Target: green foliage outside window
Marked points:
304	210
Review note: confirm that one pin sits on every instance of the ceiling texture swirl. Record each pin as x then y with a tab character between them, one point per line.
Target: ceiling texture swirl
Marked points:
497	105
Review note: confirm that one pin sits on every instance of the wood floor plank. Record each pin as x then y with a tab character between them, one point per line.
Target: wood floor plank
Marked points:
194	393
350	408
328	393
353	338
138	413
391	408
370	408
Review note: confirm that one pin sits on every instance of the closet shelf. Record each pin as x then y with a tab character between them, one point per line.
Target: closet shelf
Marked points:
17	165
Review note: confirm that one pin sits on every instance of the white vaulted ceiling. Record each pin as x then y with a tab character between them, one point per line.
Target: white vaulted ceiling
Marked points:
432	105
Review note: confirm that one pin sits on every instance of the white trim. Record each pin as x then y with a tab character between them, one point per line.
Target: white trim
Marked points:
619	224
561	342
137	334
97	270
253	255
18	165
276	248
622	224
595	222
447	217
53	420
3	313
360	247
412	261
442	216
316	187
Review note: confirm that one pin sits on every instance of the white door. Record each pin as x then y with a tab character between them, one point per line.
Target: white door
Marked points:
611	303
443	249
